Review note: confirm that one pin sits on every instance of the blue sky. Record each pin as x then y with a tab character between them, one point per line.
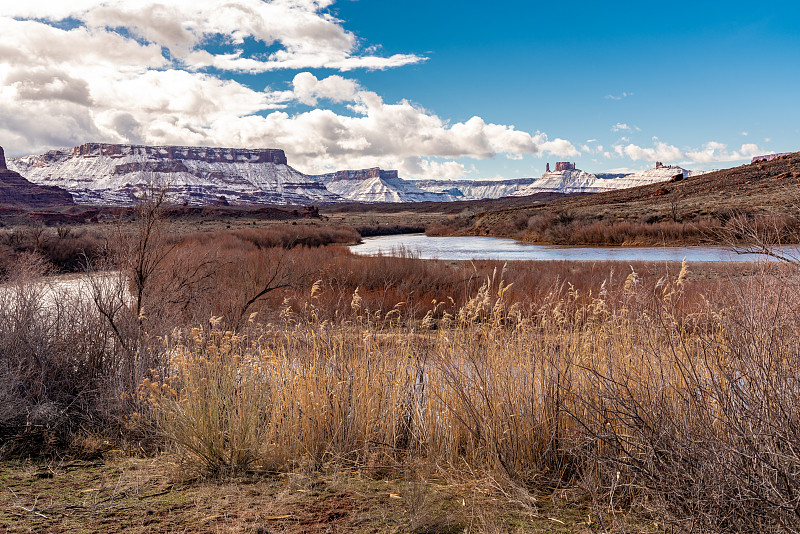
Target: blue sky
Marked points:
436	89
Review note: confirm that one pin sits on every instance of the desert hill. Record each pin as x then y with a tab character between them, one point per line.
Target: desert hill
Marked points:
17	192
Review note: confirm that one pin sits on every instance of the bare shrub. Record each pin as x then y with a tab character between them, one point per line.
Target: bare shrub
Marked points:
697	420
49	343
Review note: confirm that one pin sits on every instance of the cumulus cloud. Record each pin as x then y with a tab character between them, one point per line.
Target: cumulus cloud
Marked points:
557	147
659	151
400	135
143	72
447	170
596	149
711	152
308	89
304	34
620	127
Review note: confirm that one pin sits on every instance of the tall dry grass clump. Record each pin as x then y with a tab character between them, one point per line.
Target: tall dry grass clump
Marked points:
480	388
695	418
215	403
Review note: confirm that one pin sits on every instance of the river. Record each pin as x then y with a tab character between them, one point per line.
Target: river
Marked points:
494	248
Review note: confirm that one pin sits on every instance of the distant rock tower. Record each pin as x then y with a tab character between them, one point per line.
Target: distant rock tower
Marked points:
564	166
548	167
2	159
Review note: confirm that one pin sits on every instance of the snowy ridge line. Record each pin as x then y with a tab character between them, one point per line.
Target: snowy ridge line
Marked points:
116	174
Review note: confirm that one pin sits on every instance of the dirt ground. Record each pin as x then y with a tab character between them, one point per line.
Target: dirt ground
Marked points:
134	495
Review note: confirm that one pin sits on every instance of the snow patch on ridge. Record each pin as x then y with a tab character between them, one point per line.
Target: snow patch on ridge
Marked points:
474	189
578	181
99	173
376	185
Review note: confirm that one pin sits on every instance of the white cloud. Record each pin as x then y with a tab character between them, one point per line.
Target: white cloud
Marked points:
744	133
304	34
659	151
308	89
596	149
447	170
711	152
399	135
558	147
620	126
622	95
128	72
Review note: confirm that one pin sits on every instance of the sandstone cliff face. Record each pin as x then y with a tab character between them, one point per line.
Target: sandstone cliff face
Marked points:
18	192
578	181
194	153
361	174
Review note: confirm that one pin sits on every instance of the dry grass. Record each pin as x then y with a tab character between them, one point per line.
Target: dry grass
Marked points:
688	415
652	388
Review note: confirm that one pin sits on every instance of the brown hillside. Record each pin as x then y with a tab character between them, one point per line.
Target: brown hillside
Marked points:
18	192
691	210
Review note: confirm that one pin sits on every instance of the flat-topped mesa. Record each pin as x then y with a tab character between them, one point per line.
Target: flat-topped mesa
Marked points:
115	174
2	159
363	174
208	154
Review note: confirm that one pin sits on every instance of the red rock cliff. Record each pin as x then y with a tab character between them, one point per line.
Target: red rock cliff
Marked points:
19	192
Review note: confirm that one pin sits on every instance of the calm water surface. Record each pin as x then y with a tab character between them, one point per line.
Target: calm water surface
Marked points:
494	248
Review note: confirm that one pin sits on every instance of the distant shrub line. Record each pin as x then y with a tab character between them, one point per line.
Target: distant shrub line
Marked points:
565	228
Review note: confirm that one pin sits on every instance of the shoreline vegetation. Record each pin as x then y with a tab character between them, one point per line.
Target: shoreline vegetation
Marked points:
652	396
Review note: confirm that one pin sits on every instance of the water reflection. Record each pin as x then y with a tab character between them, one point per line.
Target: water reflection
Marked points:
494	248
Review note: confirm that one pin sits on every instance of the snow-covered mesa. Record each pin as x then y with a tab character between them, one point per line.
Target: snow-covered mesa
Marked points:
376	185
98	173
474	189
116	174
578	181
